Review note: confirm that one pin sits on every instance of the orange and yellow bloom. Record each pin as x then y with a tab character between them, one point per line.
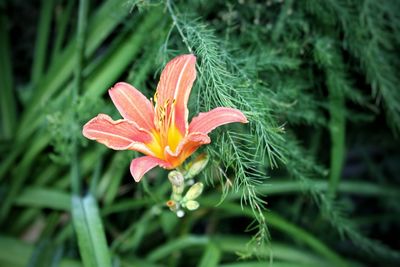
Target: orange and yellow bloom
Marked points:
161	132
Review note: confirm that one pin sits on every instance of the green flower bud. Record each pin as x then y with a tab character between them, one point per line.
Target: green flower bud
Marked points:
177	191
194	191
176	178
192	205
197	166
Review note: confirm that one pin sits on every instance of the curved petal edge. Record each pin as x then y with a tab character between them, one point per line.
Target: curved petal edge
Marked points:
118	135
132	105
140	166
175	85
207	121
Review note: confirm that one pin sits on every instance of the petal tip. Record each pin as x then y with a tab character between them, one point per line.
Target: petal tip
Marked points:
190	57
208	121
84	131
85	127
240	116
244	119
136	171
115	87
136	178
119	86
140	166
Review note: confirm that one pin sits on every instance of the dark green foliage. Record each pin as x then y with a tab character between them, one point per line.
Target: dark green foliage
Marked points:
312	180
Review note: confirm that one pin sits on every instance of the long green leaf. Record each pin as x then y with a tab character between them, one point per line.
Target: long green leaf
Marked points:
44	198
14	252
211	256
279	223
176	245
277	251
20	174
7	101
100	27
90	233
62	23
42	39
96	84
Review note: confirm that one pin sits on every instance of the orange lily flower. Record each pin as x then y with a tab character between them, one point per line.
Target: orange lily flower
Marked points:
162	132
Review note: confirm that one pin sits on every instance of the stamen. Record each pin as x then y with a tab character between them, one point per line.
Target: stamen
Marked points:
169	121
165	115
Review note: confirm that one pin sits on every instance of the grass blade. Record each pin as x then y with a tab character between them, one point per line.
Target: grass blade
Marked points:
176	245
211	256
100	26
90	232
7	101
42	39
44	198
13	252
279	223
62	23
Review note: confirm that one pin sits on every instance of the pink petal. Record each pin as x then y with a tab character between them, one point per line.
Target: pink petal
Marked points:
118	135
175	84
139	166
133	105
185	148
208	121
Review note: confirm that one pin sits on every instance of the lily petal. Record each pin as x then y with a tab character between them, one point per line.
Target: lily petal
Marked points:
175	84
133	105
118	135
186	148
139	166
208	121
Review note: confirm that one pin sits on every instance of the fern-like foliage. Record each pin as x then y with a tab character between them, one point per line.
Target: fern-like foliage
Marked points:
255	81
372	36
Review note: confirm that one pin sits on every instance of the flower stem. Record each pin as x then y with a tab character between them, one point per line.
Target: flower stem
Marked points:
79	49
176	23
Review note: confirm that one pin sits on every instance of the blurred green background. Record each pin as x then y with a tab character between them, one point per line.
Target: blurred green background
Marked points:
312	180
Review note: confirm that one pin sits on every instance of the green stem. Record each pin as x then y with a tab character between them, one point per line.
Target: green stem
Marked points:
7	100
176	23
62	23
80	48
42	41
337	127
360	188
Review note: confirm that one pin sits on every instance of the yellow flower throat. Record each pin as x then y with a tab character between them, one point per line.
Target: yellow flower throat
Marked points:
166	133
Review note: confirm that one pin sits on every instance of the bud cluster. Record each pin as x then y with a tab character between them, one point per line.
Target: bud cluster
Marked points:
179	179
